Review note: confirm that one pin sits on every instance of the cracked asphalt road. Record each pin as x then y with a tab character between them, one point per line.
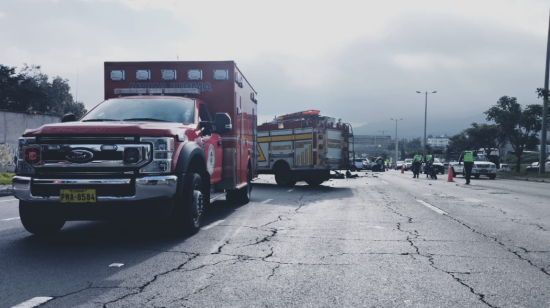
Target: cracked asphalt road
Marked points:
348	243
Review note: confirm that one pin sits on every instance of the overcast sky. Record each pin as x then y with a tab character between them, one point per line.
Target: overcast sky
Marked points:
361	61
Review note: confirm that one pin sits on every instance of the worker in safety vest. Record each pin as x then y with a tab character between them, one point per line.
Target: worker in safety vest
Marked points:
387	162
427	162
417	162
468	158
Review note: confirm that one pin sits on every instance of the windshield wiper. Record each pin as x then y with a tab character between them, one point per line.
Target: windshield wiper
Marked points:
145	119
99	120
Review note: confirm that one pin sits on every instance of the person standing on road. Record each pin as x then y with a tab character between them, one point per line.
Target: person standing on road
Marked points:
387	163
427	162
468	158
417	161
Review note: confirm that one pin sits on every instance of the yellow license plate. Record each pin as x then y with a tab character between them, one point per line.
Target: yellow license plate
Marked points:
78	196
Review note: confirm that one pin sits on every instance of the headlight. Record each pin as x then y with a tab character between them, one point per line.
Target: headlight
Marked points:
163	150
28	154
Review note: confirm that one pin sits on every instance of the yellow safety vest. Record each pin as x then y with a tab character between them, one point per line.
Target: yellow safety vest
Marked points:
468	156
428	157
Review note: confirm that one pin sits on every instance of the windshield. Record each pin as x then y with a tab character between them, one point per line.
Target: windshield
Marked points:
144	110
408	160
436	160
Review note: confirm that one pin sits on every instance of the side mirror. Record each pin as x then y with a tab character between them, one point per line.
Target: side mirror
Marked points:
69	117
206	127
222	124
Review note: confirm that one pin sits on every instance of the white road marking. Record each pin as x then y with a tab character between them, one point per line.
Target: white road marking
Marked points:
431	207
290	190
266	201
8	219
8	200
427	195
384	182
116	265
33	302
212	225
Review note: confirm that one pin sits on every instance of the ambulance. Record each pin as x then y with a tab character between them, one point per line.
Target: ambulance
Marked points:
170	138
304	146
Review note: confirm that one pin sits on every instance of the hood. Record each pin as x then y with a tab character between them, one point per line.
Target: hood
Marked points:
110	128
483	163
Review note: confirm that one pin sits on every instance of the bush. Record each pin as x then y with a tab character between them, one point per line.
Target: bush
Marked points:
5	178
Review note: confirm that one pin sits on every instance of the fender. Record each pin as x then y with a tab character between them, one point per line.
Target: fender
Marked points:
187	153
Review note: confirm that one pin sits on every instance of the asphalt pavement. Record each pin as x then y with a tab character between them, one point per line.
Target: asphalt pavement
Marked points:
379	240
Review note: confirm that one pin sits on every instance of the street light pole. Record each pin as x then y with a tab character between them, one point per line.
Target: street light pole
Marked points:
396	142
425	120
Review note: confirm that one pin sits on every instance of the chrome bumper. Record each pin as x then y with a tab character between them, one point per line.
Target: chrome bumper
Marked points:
150	187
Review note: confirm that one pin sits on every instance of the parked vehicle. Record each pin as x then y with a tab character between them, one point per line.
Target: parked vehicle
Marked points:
533	168
398	165
304	146
408	164
504	168
481	167
152	149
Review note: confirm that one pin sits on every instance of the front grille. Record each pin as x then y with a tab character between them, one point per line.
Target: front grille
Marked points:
101	190
483	166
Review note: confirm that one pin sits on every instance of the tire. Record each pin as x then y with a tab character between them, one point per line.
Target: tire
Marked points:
283	176
453	171
353	168
36	222
476	176
492	177
188	208
314	182
241	196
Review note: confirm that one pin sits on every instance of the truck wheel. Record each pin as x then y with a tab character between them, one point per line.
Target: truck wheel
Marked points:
476	176
36	222
188	206
454	173
283	176
493	176
241	196
314	182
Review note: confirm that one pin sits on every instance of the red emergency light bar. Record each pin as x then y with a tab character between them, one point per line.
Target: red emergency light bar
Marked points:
300	114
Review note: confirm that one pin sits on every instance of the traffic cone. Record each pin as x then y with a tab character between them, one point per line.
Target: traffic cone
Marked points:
402	169
450	176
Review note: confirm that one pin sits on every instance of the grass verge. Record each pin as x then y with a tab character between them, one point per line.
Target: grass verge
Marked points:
523	175
5	178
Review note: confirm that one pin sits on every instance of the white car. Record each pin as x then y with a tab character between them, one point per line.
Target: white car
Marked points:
357	164
481	167
504	168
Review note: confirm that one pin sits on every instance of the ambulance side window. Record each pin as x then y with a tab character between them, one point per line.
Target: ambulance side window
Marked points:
204	113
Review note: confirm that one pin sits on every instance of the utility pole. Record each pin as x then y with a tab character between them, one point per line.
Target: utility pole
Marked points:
396	141
425	120
542	158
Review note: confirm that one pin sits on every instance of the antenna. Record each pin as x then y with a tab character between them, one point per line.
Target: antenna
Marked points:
76	99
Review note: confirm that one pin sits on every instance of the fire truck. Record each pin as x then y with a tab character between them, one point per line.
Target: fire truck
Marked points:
170	138
304	146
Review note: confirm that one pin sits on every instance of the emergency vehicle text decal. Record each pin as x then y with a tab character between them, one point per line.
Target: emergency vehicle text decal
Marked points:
202	86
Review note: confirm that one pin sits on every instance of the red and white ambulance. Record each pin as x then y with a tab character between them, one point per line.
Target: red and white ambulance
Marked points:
169	138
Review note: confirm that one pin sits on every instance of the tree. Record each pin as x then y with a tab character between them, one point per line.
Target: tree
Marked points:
457	144
517	126
30	90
